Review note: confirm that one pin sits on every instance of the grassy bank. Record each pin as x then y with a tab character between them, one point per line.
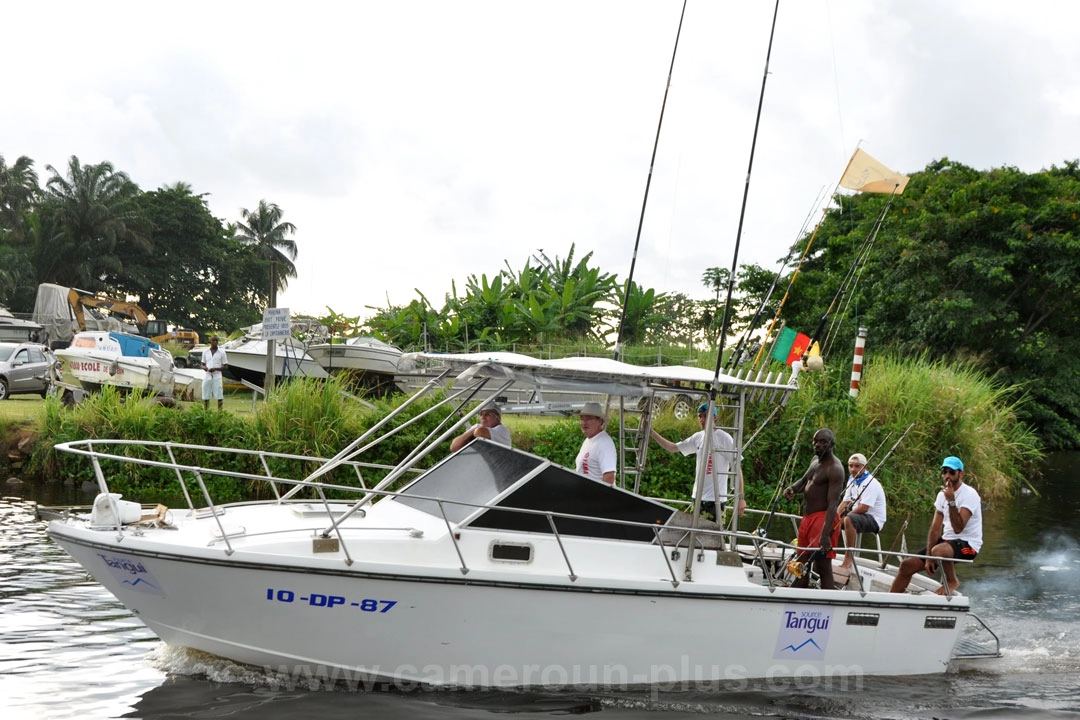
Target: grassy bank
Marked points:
955	411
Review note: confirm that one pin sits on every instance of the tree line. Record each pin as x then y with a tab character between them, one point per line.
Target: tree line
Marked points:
977	265
92	227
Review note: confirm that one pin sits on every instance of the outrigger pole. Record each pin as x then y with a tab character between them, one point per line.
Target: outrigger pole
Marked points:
648	183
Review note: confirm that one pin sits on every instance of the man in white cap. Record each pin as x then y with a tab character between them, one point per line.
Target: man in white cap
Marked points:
717	471
862	509
956	531
597	458
490	427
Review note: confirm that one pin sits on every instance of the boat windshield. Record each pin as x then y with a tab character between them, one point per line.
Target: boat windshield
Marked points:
486	473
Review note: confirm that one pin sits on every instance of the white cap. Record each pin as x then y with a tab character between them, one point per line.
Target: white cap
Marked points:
857	458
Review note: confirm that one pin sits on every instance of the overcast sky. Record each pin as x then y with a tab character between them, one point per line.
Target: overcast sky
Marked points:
416	143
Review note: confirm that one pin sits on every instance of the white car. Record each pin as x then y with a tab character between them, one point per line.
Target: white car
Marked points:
25	368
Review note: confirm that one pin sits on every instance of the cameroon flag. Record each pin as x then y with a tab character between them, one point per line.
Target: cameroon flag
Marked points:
791	346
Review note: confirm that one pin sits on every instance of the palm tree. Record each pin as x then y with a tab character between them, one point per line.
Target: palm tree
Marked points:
264	230
716	278
18	185
95	213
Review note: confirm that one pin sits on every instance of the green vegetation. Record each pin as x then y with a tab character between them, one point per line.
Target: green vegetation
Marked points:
956	410
969	266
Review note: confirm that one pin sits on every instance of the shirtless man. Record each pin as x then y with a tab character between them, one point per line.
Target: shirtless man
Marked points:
821	487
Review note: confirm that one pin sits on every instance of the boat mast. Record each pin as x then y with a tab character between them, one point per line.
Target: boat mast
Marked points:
645	199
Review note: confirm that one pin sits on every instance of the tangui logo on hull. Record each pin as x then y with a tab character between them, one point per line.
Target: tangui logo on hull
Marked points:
133	573
804	632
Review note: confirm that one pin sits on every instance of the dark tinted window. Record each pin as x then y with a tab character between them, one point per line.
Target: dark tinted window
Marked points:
476	475
484	470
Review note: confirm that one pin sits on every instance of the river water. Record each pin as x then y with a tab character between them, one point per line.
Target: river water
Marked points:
69	650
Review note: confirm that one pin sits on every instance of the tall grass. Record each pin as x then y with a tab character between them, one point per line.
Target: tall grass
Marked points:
956	410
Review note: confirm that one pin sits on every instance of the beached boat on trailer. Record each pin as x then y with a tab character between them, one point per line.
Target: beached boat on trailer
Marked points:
96	358
495	567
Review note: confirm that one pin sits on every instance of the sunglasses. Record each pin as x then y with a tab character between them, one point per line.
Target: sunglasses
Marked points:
948	471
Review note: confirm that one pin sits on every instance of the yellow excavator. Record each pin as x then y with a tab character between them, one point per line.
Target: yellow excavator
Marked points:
157	330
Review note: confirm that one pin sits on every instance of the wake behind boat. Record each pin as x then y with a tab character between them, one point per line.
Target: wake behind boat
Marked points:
495	567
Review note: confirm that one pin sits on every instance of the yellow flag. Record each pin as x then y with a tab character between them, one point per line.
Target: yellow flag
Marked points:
865	174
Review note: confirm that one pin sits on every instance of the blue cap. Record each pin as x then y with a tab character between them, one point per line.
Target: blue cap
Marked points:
953	463
704	407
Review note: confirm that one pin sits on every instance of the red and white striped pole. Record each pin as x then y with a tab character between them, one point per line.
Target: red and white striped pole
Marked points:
856	363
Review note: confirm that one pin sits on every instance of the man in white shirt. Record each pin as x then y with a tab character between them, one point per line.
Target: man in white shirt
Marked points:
863	505
490	427
597	458
956	531
214	361
718	469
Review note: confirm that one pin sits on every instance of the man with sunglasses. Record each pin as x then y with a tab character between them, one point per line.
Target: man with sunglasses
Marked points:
956	531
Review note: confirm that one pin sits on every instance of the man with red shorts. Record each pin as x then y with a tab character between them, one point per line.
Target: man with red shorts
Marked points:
821	486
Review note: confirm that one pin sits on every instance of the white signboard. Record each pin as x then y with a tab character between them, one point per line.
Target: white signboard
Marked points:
276	324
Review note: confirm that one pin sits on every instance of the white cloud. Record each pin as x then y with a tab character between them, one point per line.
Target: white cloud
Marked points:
415	143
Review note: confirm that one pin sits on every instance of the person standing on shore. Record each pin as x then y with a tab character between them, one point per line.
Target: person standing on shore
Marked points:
214	362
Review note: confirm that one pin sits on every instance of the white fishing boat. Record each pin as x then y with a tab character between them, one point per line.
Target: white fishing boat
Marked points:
495	567
96	358
367	360
247	360
18	330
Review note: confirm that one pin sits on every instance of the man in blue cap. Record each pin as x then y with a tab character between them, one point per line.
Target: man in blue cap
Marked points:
718	469
956	531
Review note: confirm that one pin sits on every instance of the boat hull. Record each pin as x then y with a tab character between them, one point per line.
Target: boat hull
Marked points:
247	361
341	357
93	371
488	629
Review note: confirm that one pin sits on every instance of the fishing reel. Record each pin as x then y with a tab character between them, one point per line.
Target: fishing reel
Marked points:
795	567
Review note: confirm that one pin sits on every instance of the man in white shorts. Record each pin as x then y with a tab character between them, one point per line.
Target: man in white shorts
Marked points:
214	361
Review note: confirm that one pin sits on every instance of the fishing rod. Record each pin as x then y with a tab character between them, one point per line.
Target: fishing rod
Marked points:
648	183
892	548
860	258
725	324
752	325
706	447
788	464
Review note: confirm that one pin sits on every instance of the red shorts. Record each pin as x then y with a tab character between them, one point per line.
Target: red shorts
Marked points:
810	532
